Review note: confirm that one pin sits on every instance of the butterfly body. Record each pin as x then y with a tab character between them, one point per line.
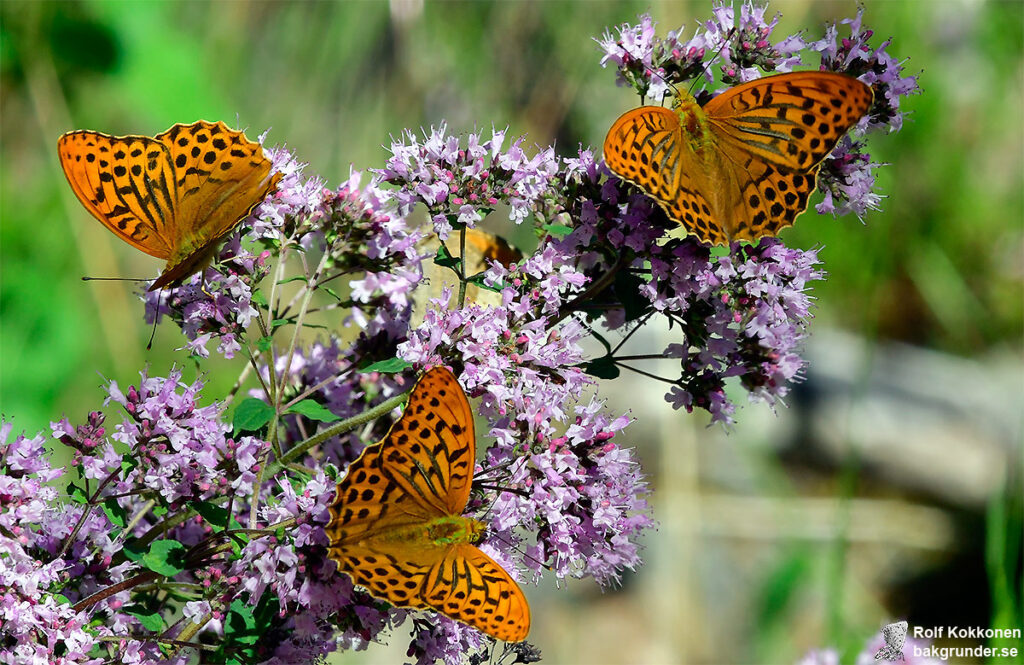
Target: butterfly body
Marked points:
437	532
743	165
173	196
397	527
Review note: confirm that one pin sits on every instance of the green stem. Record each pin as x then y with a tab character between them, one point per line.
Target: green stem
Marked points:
598	285
462	267
336	429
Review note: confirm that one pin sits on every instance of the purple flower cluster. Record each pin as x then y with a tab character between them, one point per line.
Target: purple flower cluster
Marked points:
747	48
582	494
41	552
847	177
742	315
181	451
461	185
166	454
35	625
653	65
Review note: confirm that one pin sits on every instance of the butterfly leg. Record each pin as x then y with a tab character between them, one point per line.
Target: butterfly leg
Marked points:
202	284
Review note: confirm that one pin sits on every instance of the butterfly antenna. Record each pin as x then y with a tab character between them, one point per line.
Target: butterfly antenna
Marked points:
115	279
707	65
516	548
156	318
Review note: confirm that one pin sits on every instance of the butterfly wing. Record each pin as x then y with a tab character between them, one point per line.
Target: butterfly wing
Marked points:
432	447
759	199
220	176
470	586
772	134
127	183
459	581
645	147
369	502
790	120
420	470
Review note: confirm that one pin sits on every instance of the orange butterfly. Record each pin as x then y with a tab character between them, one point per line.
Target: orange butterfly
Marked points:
743	165
173	196
396	522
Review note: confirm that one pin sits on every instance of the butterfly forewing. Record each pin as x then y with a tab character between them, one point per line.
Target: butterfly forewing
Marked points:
645	147
432	448
126	182
220	176
368	501
790	120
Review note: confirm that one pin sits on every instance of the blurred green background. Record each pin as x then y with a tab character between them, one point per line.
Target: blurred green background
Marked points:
933	282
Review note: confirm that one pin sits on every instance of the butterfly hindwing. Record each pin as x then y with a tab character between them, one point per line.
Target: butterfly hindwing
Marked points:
791	120
127	183
388	569
769	199
470	586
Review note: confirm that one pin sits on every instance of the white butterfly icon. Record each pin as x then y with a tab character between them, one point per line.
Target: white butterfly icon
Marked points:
894	635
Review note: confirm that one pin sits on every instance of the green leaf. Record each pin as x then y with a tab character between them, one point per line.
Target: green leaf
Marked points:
389	366
627	288
151	622
77	494
133	551
240	624
263	344
557	230
603	368
605	343
259	299
277	323
478	280
313	410
446	260
251	414
165	557
215	515
297	278
115	513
